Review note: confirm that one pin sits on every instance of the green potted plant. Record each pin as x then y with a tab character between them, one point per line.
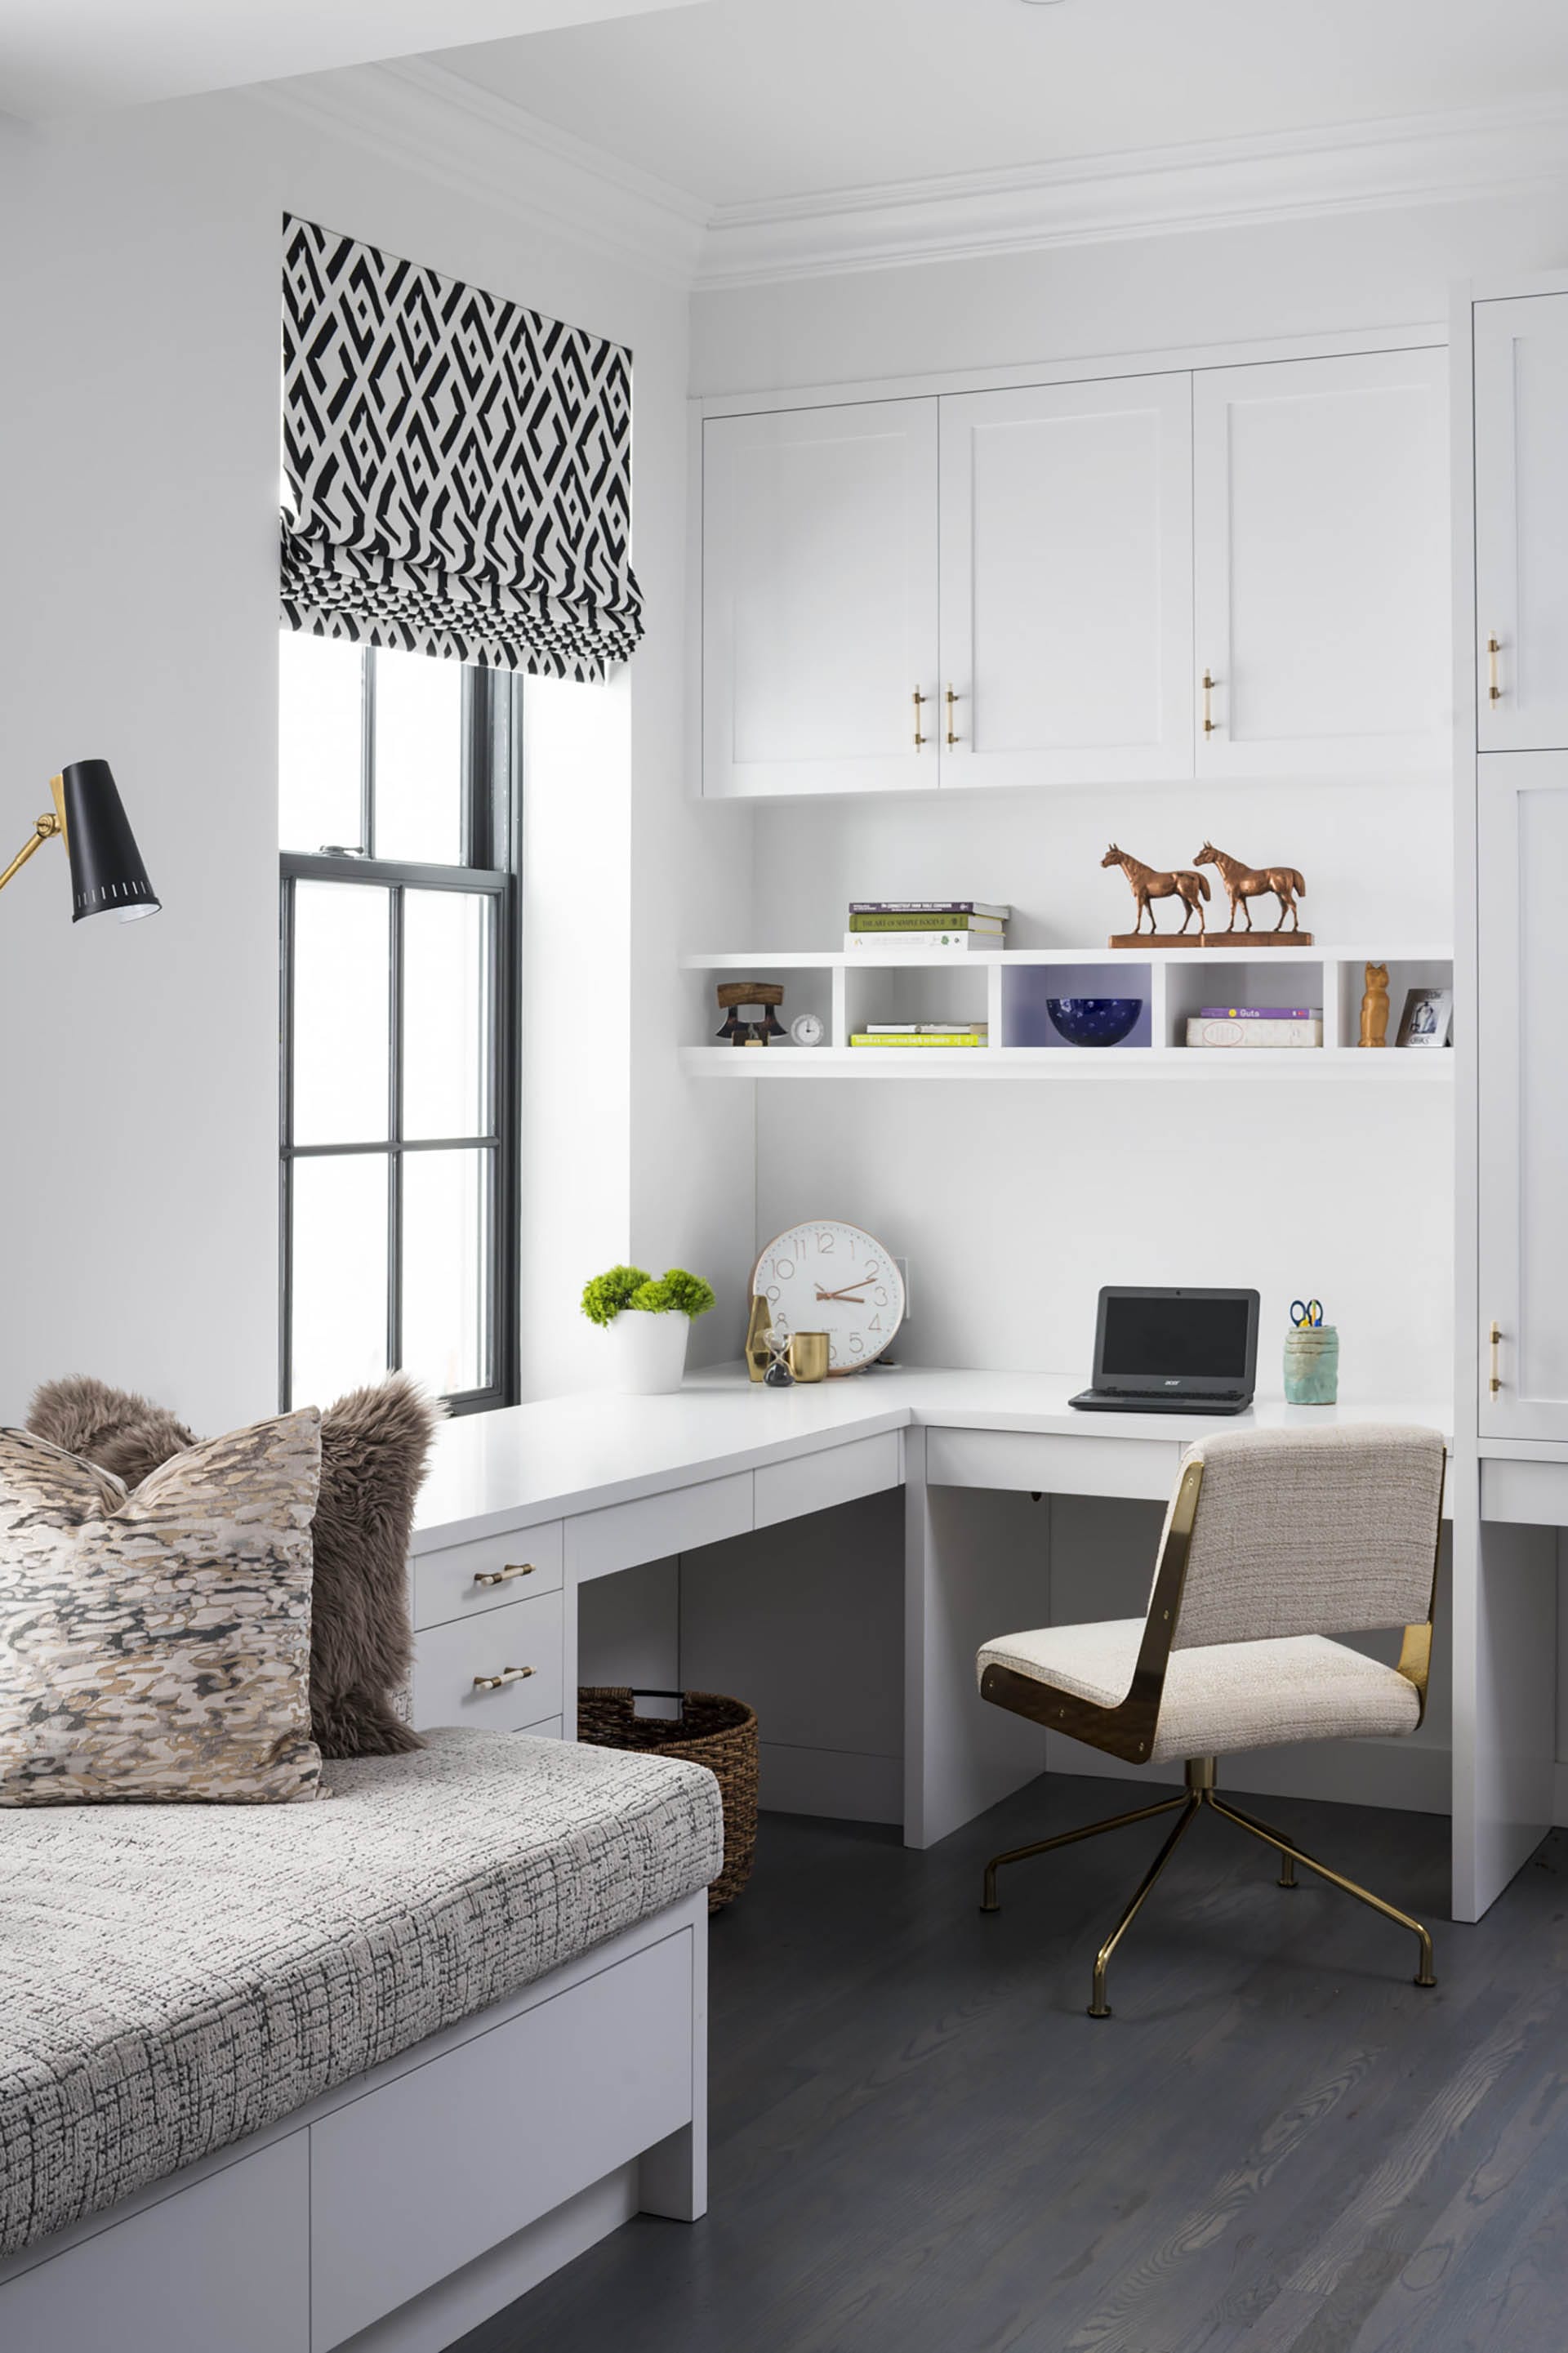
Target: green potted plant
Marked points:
646	1319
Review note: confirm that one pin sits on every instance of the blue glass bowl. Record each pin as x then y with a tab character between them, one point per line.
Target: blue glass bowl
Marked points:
1094	1021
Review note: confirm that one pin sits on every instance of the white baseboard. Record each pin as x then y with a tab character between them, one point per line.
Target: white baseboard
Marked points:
840	1783
1413	1779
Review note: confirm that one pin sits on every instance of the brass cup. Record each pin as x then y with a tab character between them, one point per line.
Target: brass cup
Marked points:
808	1356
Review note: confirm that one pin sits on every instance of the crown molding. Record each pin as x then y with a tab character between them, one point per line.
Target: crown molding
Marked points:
1353	167
428	120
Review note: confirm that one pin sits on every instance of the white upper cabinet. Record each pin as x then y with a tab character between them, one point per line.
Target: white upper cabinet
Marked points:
1323	562
819	620
1521	523
1067	595
1522	857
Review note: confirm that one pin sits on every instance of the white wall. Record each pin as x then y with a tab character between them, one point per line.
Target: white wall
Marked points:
140	281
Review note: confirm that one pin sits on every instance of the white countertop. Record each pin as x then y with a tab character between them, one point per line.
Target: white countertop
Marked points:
565	1455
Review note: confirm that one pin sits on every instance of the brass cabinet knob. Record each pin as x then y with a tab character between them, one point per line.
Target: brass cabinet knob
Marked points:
507	1676
503	1576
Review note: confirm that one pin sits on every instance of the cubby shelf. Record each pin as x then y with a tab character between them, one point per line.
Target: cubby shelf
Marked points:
1007	987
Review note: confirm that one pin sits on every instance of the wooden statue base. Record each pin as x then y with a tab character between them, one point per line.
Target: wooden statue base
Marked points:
1209	939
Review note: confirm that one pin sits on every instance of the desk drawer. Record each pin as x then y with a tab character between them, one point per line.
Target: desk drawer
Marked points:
455	1581
598	1543
446	1660
1047	1462
813	1482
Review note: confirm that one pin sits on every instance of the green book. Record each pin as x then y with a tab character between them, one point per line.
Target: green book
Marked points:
925	1038
962	922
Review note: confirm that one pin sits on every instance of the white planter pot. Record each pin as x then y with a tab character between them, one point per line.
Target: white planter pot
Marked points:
647	1353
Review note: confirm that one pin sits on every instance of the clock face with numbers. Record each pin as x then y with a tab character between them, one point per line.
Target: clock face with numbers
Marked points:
826	1276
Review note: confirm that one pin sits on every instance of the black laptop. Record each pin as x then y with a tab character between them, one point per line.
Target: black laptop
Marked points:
1162	1351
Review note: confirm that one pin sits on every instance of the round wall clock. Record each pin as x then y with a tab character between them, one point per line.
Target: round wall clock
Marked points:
826	1276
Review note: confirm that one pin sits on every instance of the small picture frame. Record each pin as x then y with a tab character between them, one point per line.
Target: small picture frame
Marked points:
1428	1019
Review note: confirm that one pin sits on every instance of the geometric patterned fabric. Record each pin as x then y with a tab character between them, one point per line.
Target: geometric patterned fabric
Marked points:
457	468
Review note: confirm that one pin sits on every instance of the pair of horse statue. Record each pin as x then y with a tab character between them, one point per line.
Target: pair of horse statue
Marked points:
1243	882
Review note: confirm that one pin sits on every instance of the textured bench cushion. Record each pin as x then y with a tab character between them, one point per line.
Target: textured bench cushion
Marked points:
173	1977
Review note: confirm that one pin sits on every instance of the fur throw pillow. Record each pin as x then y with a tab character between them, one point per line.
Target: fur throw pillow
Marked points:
120	1433
375	1449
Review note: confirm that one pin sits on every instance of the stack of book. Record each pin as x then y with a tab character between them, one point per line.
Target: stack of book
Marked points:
894	927
1274	1026
920	1033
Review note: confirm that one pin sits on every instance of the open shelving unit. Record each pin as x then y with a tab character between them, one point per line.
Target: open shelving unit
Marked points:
1007	989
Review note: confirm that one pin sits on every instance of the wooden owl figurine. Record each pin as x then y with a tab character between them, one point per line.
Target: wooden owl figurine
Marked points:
1374	1006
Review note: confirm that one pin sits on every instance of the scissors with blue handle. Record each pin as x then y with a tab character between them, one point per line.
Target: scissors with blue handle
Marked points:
1307	1313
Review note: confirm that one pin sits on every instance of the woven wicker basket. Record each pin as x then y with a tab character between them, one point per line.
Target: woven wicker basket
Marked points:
709	1730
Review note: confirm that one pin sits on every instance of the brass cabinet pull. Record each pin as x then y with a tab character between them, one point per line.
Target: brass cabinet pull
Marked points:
952	703
920	705
1210	723
507	1676
1494	1339
503	1576
1494	692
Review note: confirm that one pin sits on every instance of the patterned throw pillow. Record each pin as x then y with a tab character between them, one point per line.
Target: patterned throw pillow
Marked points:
157	1645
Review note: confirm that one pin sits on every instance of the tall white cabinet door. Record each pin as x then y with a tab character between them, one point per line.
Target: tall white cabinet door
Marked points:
1522	865
1521	523
1321	518
1066	621
819	551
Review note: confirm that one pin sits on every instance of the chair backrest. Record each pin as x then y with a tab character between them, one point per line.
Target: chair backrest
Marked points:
1311	1532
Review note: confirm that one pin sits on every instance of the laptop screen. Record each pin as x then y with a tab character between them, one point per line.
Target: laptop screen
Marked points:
1191	1338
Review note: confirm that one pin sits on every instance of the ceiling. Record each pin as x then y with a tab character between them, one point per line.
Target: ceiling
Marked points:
64	56
750	101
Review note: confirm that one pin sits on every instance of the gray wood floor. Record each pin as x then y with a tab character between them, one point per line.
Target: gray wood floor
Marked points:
922	2145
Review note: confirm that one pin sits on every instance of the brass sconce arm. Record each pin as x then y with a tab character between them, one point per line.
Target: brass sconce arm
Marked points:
47	826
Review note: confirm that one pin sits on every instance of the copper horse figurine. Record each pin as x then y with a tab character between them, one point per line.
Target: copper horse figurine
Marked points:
1244	882
1145	883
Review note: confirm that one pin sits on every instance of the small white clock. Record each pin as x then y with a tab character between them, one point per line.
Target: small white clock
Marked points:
806	1030
825	1276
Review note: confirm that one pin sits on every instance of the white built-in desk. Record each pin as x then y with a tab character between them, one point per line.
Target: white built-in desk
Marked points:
526	1505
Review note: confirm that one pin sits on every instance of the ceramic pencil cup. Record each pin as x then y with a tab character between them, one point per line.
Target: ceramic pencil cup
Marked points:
1312	1364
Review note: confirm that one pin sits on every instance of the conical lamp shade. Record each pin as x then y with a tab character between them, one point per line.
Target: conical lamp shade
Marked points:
107	872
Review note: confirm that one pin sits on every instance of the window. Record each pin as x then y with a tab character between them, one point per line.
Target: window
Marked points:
399	972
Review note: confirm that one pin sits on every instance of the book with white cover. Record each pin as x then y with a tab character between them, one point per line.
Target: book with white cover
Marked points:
896	947
1266	1034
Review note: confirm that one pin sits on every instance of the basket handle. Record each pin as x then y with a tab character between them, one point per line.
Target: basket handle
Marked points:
644	1691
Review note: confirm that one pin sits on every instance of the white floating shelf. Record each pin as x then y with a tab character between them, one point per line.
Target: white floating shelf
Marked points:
1218	1065
850	989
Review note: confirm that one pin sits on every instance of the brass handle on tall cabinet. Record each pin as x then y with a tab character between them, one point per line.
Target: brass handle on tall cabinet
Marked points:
920	705
1494	692
1210	723
952	700
503	1576
1494	1338
507	1676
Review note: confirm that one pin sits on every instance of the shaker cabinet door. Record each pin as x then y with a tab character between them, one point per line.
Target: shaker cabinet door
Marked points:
819	554
1521	523
1522	844
1321	527
1066	601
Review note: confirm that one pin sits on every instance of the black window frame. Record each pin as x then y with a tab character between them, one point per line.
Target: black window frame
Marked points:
492	843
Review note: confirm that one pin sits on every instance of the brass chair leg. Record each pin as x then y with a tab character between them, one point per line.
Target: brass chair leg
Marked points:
1068	1837
1190	1805
1294	1854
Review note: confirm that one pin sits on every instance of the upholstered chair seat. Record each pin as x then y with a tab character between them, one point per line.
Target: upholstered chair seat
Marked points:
1275	1543
1227	1696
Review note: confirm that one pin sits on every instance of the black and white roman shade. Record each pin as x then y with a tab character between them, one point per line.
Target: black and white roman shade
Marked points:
457	469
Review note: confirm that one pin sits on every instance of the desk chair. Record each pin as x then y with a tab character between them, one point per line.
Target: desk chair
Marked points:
1273	1541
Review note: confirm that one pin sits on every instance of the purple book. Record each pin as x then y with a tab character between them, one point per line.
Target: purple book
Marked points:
1260	1013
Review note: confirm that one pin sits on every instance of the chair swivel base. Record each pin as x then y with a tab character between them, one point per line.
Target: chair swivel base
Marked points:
1199	1793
